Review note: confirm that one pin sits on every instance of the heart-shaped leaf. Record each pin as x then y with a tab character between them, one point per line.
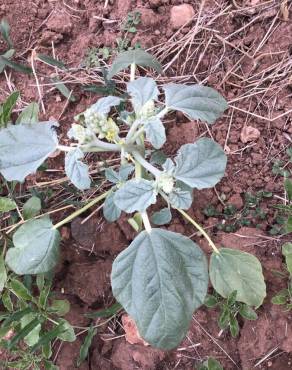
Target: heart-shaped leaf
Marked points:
23	148
161	217
135	195
36	248
200	165
180	199
196	101
232	270
7	204
160	280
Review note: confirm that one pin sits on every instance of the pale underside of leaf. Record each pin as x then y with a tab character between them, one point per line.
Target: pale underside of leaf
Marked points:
76	170
161	279
142	90
155	132
23	148
110	211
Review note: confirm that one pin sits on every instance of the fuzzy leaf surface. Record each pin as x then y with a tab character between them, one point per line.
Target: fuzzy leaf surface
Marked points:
161	217
142	90
36	248
160	280
23	148
155	132
232	270
135	195
104	105
200	165
180	199
110	211
76	170
196	101
136	56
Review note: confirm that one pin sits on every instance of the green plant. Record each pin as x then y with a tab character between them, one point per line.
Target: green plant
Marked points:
229	308
284	296
132	20
162	277
210	364
35	319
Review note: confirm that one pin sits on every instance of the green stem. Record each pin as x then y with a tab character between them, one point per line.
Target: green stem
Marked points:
81	210
148	166
198	227
133	69
97	144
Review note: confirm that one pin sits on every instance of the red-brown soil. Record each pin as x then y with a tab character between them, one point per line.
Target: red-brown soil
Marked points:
243	49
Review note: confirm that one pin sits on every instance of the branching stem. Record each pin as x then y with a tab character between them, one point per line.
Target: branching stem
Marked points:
148	166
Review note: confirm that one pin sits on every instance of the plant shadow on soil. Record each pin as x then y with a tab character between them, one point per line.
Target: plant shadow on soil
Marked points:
83	274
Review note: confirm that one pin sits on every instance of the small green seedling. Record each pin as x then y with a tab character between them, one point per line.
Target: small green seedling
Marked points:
162	277
229	310
133	19
35	319
284	297
210	364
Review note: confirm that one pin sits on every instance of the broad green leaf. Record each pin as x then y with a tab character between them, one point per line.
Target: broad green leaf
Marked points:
16	66
224	318
200	165
23	148
110	211
47	350
31	207
49	365
76	170
9	54
86	345
104	105
7	107
15	317
231	270
67	93
3	274
5	32
142	90
288	188
44	295
51	61
33	336
20	290
155	132
247	312
196	101
160	280
7	204
135	195
68	335
60	307
161	217
36	248
106	312
29	115
287	252
211	364
136	56
180	199
231	299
